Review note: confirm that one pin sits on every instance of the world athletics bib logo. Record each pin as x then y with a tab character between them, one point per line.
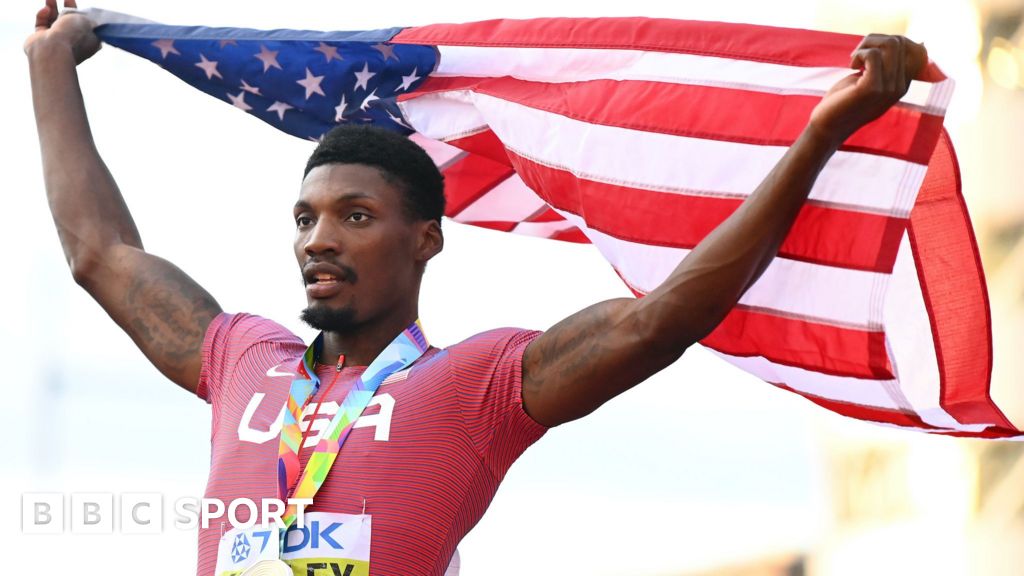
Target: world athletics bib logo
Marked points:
240	551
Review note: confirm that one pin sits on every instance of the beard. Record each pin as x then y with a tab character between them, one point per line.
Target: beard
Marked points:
326	319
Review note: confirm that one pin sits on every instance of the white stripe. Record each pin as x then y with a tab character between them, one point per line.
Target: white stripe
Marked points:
909	340
836	296
99	16
971	428
582	64
542	229
841	388
451	115
873	393
667	163
438	151
509	201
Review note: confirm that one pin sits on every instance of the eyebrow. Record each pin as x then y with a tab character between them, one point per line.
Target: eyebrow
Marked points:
347	197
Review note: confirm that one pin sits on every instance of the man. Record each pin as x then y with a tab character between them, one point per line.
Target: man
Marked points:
445	425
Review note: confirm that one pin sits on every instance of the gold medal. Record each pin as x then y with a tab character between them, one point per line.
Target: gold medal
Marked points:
268	568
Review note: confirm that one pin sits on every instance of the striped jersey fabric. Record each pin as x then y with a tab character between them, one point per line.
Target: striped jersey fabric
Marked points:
424	460
640	136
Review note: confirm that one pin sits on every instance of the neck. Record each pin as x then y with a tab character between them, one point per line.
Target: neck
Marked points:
366	341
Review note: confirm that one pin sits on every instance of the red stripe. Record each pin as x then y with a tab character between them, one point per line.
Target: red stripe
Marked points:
994	432
841	238
953	285
803	344
485	144
500	225
571	235
808	345
476	174
714	113
545	215
861	412
792	47
469	179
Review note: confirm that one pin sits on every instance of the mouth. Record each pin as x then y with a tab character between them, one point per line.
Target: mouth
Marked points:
323	280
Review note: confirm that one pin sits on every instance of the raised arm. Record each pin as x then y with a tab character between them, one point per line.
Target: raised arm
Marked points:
163	310
598	353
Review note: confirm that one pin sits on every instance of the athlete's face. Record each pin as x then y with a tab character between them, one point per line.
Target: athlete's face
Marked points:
360	253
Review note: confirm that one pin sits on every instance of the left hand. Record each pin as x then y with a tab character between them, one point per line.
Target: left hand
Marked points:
75	31
887	65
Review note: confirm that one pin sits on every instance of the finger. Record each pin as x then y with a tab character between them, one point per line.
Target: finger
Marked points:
51	6
860	46
870	60
917	58
871	41
70	4
43	18
867	42
903	82
891	55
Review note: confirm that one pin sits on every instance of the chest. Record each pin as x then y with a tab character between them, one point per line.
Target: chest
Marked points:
411	429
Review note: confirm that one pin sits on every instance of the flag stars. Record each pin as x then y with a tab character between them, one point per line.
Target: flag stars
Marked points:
311	84
269	58
208	66
250	89
224	43
166	47
239	101
370	98
363	77
280	108
386	50
397	120
339	110
408	80
329	52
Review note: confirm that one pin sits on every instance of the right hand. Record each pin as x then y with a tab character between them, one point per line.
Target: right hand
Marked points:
74	30
887	65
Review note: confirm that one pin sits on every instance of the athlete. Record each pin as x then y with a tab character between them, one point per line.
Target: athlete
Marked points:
424	458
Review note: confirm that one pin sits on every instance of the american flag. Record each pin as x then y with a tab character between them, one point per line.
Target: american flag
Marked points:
640	136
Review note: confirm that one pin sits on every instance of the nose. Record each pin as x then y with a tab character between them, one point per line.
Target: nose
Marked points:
322	238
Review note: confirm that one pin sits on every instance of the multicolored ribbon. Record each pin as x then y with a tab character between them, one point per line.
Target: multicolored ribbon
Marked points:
405	349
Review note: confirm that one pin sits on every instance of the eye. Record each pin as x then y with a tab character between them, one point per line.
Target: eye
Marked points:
303	221
358	217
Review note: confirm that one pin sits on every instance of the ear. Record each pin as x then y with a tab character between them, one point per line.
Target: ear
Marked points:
430	240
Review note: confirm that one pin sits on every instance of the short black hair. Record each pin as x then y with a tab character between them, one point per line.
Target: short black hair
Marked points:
398	158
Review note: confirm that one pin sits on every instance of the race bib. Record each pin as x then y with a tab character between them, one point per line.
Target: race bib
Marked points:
328	544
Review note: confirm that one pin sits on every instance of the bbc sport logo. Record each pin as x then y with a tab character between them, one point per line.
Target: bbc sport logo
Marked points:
144	513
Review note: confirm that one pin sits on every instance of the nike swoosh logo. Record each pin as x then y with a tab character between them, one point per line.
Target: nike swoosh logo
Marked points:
274	372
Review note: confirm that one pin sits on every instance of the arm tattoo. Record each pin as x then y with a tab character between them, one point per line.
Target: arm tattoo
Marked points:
167	314
568	349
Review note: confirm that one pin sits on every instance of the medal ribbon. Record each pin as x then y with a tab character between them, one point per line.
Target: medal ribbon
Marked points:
405	349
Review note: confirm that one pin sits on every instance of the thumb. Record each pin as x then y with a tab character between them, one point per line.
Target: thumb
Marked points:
43	18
